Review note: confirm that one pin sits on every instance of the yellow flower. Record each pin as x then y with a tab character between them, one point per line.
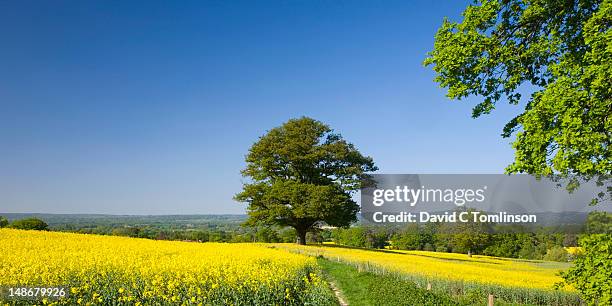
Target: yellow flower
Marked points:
109	266
450	266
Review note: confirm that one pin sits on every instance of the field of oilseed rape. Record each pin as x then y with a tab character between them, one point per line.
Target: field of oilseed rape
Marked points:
512	280
104	270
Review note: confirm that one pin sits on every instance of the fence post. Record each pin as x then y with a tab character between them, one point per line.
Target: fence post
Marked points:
491	298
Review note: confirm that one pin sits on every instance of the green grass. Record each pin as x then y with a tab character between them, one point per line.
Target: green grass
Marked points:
362	288
366	288
461	292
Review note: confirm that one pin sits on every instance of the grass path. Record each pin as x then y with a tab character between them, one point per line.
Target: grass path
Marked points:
364	288
465	278
338	293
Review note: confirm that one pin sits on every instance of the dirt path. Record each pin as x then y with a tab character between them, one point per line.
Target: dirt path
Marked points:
338	294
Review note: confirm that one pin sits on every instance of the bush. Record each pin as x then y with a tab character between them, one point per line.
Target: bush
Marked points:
556	254
3	222
30	224
441	248
592	271
428	247
125	231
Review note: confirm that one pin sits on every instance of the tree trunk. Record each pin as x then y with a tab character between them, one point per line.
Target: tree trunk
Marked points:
301	237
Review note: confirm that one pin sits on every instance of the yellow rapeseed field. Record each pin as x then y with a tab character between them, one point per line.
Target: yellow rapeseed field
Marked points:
101	269
450	266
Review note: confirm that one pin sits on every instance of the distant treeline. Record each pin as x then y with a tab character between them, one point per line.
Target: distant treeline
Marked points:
203	228
514	245
471	238
162	221
238	234
466	238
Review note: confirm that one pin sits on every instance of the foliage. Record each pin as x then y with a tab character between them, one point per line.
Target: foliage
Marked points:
30	224
3	222
599	222
556	254
560	49
464	237
303	174
592	271
415	237
267	234
477	240
363	237
103	270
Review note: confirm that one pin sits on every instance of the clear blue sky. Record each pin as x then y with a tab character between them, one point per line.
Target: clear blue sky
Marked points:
149	107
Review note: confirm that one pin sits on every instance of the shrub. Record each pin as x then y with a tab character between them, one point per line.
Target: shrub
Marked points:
556	254
30	224
592	271
3	222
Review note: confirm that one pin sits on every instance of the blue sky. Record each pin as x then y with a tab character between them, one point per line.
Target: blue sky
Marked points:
149	107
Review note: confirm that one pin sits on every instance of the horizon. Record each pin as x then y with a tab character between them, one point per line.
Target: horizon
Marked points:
114	215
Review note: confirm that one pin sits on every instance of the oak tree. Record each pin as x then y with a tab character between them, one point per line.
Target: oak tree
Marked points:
302	175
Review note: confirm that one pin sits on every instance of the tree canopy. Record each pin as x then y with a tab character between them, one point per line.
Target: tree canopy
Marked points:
559	53
30	224
302	174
